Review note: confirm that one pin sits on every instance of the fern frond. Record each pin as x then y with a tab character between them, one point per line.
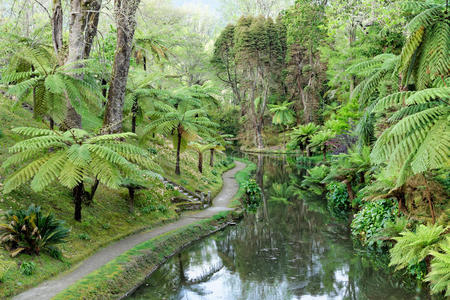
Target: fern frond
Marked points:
392	100
439	277
410	49
23	175
109	137
413	247
49	171
424	96
34	132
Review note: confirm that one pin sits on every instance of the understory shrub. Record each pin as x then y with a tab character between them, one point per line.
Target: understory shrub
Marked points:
27	268
31	231
337	199
372	218
252	199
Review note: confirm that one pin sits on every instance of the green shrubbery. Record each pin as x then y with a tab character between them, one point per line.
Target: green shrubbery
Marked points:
422	250
28	268
30	231
372	218
252	199
337	199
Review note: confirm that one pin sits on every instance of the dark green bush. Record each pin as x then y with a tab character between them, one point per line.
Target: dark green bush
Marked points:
337	199
30	231
28	268
252	198
372	218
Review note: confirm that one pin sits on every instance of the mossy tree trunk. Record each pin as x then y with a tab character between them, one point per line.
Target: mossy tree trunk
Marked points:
125	16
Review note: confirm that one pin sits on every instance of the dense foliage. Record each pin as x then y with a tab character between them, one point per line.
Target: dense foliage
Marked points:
31	232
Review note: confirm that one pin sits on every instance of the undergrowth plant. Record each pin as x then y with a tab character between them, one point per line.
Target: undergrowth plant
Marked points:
31	231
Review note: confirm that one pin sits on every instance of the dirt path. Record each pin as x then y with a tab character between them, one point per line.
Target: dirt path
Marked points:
49	289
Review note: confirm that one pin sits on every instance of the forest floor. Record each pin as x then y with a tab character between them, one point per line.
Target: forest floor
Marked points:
221	203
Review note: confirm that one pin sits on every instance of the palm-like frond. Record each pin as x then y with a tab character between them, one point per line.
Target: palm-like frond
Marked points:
75	154
413	247
439	277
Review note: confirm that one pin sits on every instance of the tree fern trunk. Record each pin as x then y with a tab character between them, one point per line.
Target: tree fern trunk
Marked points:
200	162
177	167
211	158
351	194
134	110
324	152
78	194
131	192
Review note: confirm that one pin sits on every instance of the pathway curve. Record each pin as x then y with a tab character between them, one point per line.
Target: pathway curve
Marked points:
49	289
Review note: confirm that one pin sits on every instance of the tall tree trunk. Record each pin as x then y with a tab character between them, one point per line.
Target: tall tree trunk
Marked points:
200	162
92	17
125	15
211	158
78	194
77	24
57	29
177	166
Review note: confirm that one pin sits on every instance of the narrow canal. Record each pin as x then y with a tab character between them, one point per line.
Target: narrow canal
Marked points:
292	248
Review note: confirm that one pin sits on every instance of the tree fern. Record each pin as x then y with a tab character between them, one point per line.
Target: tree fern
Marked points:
34	77
181	124
413	247
439	277
71	157
425	54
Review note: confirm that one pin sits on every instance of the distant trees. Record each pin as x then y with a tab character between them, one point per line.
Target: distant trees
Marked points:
250	57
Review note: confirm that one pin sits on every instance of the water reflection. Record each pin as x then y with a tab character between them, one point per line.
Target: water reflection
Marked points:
290	249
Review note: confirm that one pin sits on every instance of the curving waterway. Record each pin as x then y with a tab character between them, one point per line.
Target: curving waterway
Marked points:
292	248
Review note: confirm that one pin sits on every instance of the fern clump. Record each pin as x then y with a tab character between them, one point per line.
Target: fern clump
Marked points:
70	158
439	277
413	247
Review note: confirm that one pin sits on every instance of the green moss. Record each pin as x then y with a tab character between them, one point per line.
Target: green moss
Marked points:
130	268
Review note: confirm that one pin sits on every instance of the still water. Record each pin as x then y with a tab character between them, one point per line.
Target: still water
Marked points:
290	249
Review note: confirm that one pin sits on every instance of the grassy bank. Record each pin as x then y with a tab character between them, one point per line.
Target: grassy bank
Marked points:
106	220
241	177
131	268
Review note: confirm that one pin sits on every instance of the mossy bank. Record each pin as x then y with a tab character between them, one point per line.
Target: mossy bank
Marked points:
121	276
